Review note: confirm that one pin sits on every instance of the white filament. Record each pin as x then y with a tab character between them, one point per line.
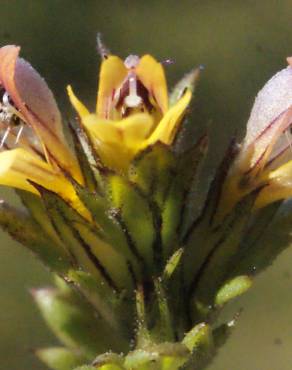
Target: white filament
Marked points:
7	113
133	100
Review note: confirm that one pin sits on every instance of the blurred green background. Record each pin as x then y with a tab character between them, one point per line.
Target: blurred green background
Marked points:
241	44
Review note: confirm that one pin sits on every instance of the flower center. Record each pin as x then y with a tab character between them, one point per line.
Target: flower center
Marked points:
132	96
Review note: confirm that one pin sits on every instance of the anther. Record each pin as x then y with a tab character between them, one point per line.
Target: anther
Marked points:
131	61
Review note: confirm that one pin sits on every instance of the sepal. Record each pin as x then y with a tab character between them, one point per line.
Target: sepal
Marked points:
152	170
74	322
112	228
232	289
258	253
189	81
87	249
140	220
88	162
114	309
219	254
26	231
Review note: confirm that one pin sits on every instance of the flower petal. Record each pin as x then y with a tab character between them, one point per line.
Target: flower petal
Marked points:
168	126
19	165
77	104
279	186
151	74
35	101
270	143
112	74
132	130
118	141
274	99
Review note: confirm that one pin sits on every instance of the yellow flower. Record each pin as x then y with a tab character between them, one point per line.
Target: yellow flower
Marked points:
132	109
265	156
40	154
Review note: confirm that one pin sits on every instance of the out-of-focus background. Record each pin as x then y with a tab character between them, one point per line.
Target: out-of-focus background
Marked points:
241	44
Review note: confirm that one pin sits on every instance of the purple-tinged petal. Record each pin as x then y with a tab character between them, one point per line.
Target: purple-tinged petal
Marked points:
32	97
272	101
37	96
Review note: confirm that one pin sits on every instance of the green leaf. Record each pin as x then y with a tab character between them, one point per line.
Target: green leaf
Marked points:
165	324
143	335
82	239
165	356
171	217
26	231
232	289
218	261
138	219
200	342
252	258
172	264
261	221
112	308
109	361
89	172
109	223
209	212
189	165
75	323
110	367
198	337
35	206
152	170
60	358
176	207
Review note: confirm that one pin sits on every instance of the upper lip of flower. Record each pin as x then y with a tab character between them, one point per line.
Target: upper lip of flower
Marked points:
132	109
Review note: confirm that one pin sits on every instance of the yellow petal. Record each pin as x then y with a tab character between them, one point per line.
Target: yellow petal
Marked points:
77	104
112	74
118	141
151	74
19	165
279	186
167	127
132	129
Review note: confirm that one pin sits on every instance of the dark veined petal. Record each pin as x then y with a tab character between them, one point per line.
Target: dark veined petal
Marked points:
32	97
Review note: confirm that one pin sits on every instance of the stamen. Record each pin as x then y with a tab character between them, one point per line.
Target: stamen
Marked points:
19	133
5	136
10	117
133	100
132	95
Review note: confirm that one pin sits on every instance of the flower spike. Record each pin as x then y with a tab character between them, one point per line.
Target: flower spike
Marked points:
143	268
